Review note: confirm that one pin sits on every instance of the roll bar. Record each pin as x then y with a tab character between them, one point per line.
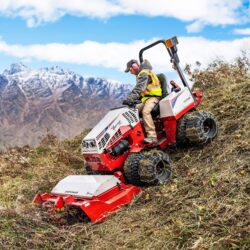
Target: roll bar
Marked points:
171	46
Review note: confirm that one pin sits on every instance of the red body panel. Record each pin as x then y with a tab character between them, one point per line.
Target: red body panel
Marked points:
198	96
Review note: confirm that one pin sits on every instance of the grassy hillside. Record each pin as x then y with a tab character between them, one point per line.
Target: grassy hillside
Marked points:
206	205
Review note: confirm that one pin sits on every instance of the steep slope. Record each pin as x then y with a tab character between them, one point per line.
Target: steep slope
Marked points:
55	100
204	206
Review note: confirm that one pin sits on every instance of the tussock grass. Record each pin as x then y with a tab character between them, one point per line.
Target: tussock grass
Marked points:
204	206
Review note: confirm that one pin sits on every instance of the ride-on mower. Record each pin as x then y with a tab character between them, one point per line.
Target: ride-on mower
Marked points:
117	160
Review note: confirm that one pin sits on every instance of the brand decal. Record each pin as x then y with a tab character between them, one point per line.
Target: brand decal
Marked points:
114	126
173	101
187	99
72	192
101	134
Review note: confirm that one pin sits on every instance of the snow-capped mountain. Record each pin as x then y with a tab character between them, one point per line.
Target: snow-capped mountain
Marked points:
48	81
54	100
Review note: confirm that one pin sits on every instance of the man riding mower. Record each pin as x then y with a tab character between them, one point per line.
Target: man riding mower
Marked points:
117	159
147	93
148	90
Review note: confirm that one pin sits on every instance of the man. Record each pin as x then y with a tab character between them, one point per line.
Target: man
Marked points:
148	91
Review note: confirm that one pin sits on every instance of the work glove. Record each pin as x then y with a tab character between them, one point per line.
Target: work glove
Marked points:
125	102
128	102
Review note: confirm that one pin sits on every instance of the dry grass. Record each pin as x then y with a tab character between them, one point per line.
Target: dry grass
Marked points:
204	206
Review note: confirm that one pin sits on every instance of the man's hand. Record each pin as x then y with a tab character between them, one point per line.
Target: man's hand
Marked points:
128	101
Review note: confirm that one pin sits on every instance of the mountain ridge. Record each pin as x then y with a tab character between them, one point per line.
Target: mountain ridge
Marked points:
55	100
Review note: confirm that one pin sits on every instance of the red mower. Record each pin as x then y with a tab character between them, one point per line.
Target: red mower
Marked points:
118	162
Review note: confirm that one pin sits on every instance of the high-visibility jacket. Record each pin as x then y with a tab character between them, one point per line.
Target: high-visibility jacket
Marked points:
153	87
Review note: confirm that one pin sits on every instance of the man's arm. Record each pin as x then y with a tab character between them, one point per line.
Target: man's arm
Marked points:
140	87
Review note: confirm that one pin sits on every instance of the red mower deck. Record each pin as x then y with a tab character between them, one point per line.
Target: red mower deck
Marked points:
97	195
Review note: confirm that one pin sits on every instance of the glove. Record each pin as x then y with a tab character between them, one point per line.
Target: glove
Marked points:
127	101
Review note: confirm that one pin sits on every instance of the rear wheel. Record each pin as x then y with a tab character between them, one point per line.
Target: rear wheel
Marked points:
197	128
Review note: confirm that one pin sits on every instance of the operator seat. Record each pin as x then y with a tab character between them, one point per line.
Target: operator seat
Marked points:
163	80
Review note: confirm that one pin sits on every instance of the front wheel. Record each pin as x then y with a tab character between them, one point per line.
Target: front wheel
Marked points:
131	168
147	167
155	168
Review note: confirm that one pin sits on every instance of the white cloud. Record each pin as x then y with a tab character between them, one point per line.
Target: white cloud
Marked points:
199	12
242	31
195	27
115	55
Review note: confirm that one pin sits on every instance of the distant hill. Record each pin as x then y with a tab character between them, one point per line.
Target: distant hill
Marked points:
54	100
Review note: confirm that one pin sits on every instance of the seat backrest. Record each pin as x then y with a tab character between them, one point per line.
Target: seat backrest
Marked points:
163	81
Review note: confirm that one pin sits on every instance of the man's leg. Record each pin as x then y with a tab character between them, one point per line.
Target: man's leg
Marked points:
139	107
147	118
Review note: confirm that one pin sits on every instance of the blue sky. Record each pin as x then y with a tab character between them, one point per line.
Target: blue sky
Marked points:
98	37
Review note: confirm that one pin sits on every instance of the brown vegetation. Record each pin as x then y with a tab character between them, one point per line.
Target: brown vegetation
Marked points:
204	206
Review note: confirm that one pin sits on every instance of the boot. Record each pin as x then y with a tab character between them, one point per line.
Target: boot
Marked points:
150	140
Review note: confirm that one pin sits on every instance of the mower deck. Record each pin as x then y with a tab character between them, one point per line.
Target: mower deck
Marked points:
97	195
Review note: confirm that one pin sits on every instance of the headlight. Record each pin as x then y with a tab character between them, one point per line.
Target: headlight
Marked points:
89	144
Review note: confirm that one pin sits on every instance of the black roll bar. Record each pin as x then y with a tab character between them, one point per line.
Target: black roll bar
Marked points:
171	46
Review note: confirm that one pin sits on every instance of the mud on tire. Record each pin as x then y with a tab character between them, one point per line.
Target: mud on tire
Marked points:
197	128
181	138
147	167
131	168
155	168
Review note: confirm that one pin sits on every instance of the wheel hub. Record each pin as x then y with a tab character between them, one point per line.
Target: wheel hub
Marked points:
209	127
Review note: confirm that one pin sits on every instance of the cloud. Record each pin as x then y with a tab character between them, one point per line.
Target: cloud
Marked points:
242	31
115	55
195	27
198	12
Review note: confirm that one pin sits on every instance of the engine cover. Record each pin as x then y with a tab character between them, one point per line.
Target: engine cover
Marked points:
108	129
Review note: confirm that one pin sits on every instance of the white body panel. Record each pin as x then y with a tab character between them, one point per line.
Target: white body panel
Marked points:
85	185
108	129
175	102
